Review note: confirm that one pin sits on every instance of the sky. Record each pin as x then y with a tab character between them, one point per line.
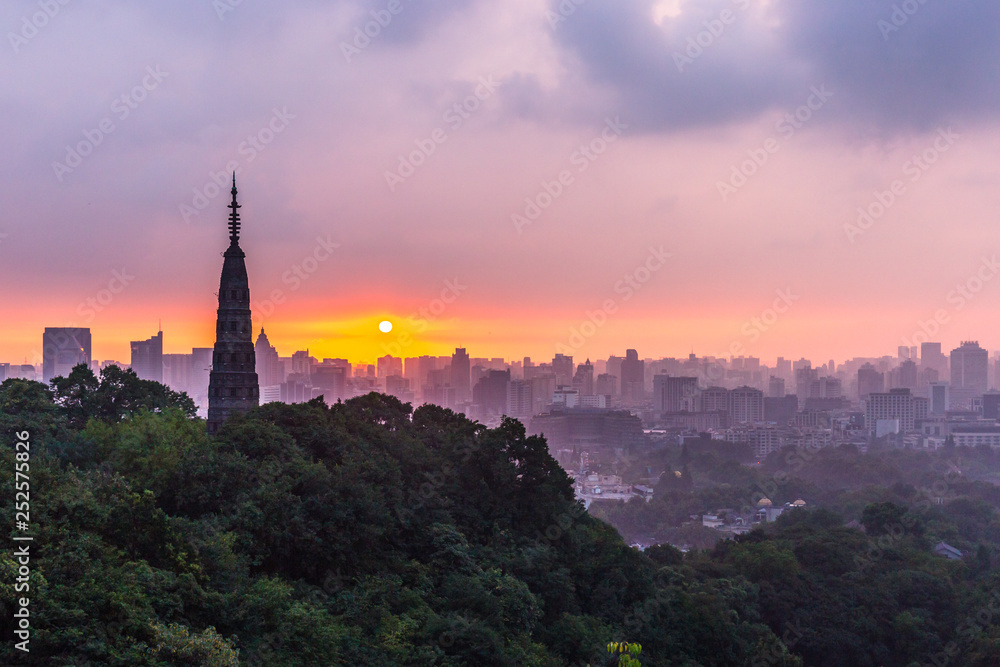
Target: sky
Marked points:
520	178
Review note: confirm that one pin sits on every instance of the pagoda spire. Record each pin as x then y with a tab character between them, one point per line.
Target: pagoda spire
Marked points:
233	384
234	216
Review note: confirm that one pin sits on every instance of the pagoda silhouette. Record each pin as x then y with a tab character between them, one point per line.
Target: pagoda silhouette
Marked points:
232	385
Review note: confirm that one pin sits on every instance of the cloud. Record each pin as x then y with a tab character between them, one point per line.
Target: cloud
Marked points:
896	66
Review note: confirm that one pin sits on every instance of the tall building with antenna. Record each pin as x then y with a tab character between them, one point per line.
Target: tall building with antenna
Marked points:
233	385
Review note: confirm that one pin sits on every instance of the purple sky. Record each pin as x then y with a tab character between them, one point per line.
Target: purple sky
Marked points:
671	125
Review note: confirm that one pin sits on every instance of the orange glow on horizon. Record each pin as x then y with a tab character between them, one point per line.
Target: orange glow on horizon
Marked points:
355	335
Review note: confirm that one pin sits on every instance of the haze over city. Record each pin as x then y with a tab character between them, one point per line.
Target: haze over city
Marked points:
752	142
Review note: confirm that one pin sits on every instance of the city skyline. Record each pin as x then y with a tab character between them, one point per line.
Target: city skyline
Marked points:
391	348
536	178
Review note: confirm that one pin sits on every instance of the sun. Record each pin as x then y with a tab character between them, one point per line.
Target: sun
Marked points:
385	326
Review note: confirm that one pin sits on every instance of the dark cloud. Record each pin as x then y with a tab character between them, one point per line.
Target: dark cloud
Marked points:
894	65
938	64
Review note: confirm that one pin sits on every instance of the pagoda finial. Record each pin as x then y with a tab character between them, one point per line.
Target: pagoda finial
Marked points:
234	216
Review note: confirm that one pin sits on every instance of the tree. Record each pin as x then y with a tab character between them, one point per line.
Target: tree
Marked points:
626	653
883	518
118	394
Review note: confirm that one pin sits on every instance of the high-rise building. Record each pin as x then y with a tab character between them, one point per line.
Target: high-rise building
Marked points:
781	410
563	368
269	372
969	364
302	364
583	381
776	387
991	405
746	406
201	368
177	371
606	385
417	369
674	394
931	357
388	365
896	405
783	368
908	374
438	389
614	367
62	349
398	386
543	389
825	387
490	393
805	375
147	358
633	374
519	400
233	385
461	378
331	380
715	399
870	381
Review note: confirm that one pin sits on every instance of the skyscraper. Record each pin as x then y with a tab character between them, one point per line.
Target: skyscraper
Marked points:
614	367
606	385
62	349
908	375
870	381
969	364
715	399
233	385
674	394
746	406
633	377
147	358
584	379
519	400
562	366
931	357
461	375
896	405
268	365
